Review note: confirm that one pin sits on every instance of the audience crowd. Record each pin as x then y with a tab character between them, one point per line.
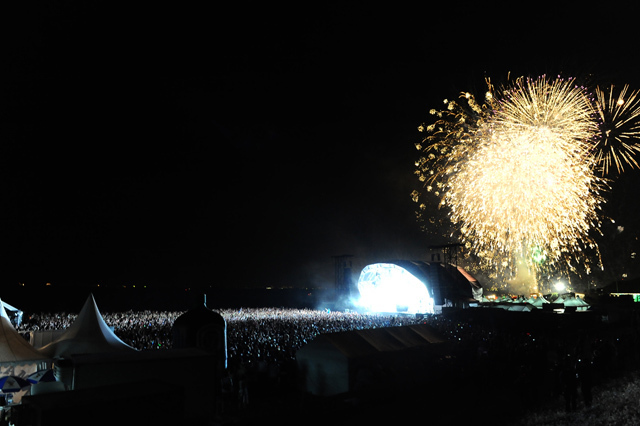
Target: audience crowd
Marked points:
538	363
263	334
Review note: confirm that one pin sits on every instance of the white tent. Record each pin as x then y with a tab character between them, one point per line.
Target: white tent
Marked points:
538	301
14	349
17	356
572	301
89	333
335	363
14	314
520	307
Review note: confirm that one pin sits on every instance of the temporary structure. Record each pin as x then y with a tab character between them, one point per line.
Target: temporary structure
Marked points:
416	287
572	301
520	307
14	314
537	301
341	362
89	333
14	349
202	328
17	356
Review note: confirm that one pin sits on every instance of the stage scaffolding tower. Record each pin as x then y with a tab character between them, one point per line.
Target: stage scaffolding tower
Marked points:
449	253
343	273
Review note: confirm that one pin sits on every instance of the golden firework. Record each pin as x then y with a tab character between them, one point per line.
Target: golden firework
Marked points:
517	174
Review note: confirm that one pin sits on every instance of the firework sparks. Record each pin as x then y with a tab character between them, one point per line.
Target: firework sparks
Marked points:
619	128
517	174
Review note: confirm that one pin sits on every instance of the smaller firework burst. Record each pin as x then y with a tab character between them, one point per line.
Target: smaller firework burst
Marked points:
619	113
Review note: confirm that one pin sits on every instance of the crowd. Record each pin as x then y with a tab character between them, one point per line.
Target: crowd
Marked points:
140	329
272	335
537	362
493	357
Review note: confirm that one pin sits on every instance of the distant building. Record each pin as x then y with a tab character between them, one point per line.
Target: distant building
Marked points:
624	288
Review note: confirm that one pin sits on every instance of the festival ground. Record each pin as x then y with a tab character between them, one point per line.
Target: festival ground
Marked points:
505	369
500	366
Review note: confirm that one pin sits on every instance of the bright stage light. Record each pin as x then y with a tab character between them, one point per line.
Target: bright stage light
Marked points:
385	287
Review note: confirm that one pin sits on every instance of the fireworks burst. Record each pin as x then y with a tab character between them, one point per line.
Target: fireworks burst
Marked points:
620	128
517	172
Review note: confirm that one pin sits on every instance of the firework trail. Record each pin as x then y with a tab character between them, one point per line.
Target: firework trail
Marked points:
518	172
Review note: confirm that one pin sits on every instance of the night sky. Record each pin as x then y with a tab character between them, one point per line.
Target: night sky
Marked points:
241	146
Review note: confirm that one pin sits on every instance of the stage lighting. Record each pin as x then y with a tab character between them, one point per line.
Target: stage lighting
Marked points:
385	287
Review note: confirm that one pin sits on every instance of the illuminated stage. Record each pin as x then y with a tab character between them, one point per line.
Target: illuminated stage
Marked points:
415	287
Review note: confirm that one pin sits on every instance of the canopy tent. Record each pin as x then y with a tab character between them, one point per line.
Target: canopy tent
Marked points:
517	305
17	356
14	349
89	333
570	300
14	314
538	301
336	363
520	307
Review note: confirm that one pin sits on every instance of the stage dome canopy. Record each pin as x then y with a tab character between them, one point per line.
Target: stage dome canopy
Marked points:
411	286
389	287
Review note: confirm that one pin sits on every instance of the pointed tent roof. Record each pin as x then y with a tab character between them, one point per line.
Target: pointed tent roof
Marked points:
569	300
520	307
89	333
14	349
333	363
538	301
359	343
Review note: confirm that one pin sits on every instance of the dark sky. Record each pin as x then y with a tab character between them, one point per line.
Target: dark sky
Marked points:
237	145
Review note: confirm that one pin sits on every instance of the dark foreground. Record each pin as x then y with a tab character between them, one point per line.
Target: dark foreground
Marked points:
499	367
495	366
